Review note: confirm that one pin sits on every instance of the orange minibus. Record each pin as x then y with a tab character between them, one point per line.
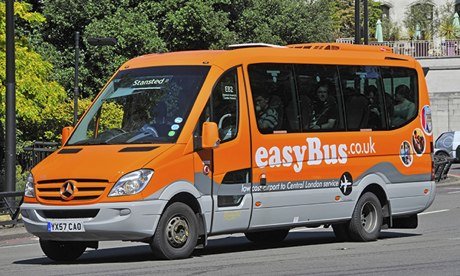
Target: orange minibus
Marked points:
256	139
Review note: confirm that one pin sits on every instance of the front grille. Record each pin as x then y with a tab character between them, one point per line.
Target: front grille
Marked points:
85	192
68	214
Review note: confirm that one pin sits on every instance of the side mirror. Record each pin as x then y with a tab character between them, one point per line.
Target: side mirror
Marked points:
66	134
210	135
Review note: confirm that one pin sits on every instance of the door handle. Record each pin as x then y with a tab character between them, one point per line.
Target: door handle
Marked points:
263	179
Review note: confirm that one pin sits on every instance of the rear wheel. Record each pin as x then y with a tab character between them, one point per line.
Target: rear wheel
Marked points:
267	236
366	220
176	235
62	251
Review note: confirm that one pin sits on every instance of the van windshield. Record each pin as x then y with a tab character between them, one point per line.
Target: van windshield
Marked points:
144	105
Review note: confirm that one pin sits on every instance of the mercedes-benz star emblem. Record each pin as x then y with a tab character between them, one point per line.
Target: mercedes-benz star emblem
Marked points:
68	190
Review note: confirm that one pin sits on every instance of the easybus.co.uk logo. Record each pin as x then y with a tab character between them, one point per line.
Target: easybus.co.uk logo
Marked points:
314	152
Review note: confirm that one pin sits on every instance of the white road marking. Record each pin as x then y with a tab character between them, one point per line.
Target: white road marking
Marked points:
452	188
18	245
456	192
434	212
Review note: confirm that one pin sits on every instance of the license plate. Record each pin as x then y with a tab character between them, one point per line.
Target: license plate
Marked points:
66	226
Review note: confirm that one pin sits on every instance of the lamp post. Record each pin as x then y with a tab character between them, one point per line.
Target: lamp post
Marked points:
10	156
357	24
366	22
75	83
94	41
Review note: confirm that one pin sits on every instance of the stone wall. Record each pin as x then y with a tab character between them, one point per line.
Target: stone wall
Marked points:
443	81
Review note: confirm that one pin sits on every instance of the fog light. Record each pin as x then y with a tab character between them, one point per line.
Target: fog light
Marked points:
125	212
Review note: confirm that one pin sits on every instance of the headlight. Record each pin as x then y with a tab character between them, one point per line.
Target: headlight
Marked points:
131	183
29	188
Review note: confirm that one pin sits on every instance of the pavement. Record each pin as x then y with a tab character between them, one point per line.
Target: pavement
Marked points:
11	235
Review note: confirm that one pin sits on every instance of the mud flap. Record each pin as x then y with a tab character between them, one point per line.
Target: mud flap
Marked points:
410	222
202	233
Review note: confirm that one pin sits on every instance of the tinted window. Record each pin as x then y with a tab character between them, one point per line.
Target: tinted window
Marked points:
401	90
273	93
225	105
363	97
224	111
145	105
319	97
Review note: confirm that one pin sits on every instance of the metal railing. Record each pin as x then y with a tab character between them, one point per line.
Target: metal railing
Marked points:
11	201
34	154
418	48
441	167
9	206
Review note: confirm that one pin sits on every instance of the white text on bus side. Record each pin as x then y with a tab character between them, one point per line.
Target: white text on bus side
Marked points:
294	155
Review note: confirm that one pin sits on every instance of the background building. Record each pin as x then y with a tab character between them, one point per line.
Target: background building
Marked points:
440	54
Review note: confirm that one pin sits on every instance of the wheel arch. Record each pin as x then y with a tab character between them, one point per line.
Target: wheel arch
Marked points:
186	198
376	184
377	190
185	192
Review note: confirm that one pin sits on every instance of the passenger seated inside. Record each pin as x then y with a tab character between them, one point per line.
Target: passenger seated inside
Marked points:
375	118
267	116
325	109
404	109
357	108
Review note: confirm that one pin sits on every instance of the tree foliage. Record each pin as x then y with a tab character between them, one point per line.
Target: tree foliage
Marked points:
422	20
447	29
285	22
37	96
46	47
344	17
143	27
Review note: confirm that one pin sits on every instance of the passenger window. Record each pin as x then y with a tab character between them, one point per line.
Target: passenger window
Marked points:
224	107
319	97
363	97
401	86
273	94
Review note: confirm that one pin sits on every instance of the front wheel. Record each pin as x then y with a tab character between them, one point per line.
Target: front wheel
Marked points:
366	221
62	251
267	236
176	235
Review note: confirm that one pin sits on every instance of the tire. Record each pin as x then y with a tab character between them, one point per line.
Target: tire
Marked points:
264	237
366	221
177	233
62	251
341	231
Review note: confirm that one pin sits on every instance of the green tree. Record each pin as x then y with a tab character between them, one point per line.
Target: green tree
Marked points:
190	24
421	20
344	17
136	35
285	22
391	30
37	96
447	29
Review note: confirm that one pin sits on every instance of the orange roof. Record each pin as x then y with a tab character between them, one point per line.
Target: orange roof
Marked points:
333	53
